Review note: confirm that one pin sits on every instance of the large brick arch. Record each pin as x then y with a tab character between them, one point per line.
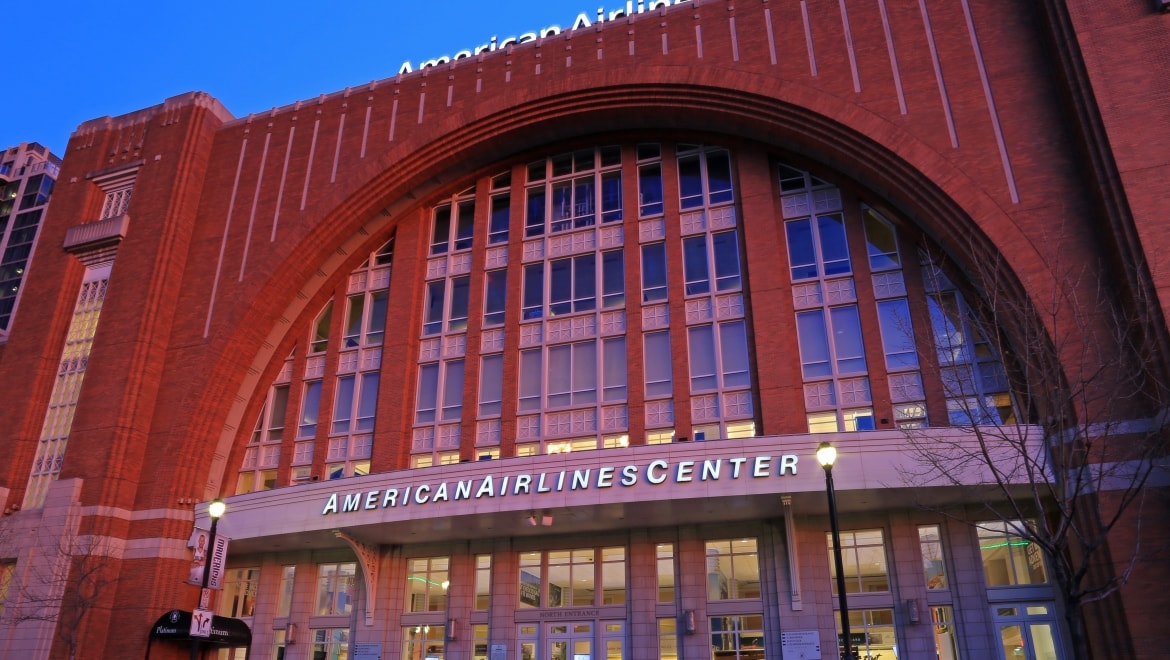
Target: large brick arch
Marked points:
946	204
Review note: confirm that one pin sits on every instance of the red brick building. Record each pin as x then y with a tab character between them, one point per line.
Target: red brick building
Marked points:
527	351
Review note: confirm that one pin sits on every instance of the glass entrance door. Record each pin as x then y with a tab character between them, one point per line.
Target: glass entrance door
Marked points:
570	641
1027	632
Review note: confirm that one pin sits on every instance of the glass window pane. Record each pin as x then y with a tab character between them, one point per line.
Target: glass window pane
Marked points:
657	364
584	282
881	241
650	189
495	295
560	287
801	255
453	391
501	216
442	229
719	177
460	292
466	227
690	182
367	402
695	265
897	334
814	344
654	272
428	387
530	379
377	323
702	358
491	382
353	320
613	279
533	291
847	340
560	370
310	409
614	369
343	404
585	373
834	250
433	315
734	354
725	249
611	196
534	221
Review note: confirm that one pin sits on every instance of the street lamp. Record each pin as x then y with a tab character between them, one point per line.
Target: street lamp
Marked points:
215	510
826	456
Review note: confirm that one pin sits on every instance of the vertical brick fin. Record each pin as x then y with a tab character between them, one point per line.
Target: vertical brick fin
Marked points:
366	129
812	57
995	123
255	204
849	47
227	226
337	148
771	35
734	40
393	118
893	56
309	163
283	177
938	74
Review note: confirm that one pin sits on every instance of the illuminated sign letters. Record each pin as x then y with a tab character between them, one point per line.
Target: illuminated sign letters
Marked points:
631	8
658	471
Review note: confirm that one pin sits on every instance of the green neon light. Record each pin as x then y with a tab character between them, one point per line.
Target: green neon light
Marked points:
1011	544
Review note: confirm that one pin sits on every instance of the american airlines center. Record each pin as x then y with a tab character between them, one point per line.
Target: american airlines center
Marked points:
527	351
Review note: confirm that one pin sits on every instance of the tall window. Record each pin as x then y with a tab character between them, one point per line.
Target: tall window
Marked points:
453	224
67	385
733	569
864	558
649	180
427	584
654	272
873	633
933	565
737	637
501	214
704	176
666	572
574	190
365	319
239	592
573	578
330	643
422	642
284	597
262	455
336	586
1009	558
483	581
7	571
974	380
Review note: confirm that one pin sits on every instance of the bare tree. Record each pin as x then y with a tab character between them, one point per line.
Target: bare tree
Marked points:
61	584
1060	414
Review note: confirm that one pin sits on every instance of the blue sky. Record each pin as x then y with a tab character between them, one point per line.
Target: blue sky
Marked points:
74	60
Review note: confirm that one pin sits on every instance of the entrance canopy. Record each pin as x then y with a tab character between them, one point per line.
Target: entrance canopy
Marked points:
225	631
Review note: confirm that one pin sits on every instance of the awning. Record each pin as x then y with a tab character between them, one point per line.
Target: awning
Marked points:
225	631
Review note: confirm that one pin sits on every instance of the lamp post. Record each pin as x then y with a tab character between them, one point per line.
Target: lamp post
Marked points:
215	510
826	456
